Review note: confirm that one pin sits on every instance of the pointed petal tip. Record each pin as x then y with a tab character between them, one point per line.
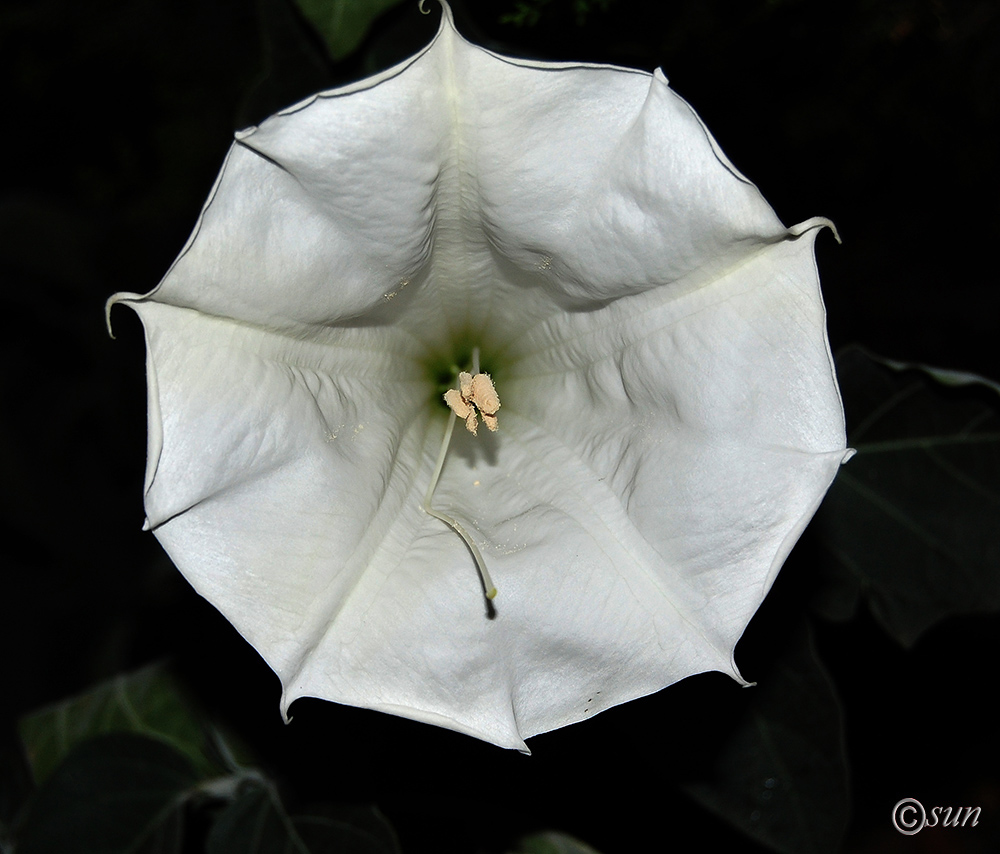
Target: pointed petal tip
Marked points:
283	707
813	224
734	671
446	14
107	314
112	301
507	737
516	743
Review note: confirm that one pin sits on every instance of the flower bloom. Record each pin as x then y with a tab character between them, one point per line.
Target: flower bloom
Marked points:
670	416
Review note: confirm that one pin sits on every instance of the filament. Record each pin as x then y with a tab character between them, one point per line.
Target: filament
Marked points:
488	587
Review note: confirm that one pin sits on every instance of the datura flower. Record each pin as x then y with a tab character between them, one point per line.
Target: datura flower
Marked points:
563	252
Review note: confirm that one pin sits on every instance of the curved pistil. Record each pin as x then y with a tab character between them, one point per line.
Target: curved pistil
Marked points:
475	393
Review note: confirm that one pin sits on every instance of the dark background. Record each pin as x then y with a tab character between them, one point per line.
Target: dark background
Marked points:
882	116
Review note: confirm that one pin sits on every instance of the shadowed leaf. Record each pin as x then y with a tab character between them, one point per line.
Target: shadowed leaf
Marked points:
781	778
909	524
148	702
552	842
343	24
117	793
256	821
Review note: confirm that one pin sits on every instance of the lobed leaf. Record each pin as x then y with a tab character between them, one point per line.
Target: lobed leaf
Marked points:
909	525
343	24
147	702
781	776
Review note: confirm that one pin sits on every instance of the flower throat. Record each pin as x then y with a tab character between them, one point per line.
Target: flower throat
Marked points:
472	398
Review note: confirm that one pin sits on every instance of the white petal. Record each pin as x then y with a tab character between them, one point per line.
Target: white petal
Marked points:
670	414
714	418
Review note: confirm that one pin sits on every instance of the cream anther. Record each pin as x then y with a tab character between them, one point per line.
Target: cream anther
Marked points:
475	393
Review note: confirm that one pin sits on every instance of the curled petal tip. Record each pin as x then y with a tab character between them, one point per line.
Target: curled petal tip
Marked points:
812	224
107	315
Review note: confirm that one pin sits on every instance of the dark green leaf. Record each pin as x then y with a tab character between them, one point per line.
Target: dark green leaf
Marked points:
256	822
148	702
343	24
16	785
781	776
354	830
909	524
528	13
113	794
552	842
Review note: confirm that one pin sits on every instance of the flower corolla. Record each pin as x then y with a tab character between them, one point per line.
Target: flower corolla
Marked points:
670	415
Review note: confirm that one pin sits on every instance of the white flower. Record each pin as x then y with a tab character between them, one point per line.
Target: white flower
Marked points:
670	418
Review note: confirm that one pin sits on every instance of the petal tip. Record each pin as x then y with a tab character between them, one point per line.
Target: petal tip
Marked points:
813	224
112	301
283	706
107	314
446	14
734	671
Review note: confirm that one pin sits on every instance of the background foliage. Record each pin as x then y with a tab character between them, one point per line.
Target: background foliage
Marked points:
873	654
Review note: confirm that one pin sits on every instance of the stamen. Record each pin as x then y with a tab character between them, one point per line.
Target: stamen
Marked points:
475	394
462	405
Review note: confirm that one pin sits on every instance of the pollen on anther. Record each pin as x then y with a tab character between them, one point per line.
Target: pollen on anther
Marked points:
465	385
484	395
454	400
474	396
